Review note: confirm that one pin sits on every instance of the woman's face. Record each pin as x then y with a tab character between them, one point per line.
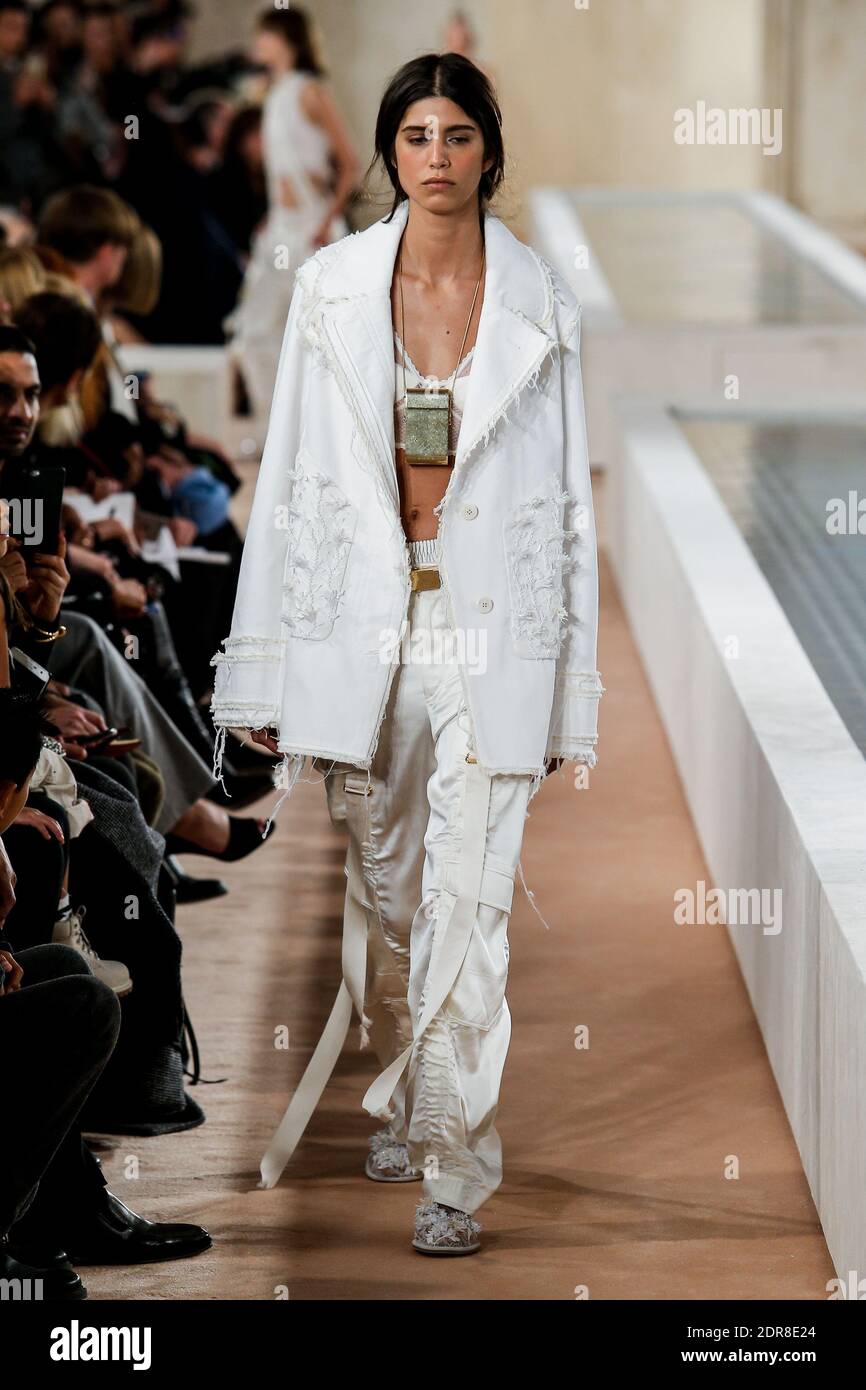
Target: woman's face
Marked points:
62	25
99	42
272	52
14	29
439	152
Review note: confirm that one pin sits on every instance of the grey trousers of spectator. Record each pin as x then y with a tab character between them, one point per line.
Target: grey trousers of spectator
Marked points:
56	1034
86	658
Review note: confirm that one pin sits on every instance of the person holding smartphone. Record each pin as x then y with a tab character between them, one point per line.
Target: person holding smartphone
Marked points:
60	1024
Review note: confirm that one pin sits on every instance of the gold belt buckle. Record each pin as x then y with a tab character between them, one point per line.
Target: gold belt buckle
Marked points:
427	578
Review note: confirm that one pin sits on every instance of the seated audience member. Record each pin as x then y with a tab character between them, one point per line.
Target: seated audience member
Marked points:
61	1024
86	233
55	814
135	293
99	241
141	1090
57	34
81	659
111	581
162	177
32	162
90	106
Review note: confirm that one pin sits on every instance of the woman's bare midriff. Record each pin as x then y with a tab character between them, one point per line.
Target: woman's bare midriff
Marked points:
422	487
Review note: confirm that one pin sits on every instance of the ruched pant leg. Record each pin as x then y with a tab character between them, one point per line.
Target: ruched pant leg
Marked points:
412	848
456	1069
390	827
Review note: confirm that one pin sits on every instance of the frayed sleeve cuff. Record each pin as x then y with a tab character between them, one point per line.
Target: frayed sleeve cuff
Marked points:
247	683
574	723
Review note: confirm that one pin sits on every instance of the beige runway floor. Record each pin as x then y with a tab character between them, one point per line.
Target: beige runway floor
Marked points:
615	1155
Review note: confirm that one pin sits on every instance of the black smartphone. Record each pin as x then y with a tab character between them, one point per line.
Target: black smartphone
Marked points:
35	495
94	740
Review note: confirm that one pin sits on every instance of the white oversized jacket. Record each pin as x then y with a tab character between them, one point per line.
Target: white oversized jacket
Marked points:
325	570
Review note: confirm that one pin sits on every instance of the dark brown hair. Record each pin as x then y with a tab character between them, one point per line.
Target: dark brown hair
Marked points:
293	27
441	75
77	221
64	332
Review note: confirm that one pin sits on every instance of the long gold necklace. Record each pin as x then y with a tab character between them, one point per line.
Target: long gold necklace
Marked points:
428	413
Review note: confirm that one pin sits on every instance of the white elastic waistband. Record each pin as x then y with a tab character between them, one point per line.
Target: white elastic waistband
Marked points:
424	552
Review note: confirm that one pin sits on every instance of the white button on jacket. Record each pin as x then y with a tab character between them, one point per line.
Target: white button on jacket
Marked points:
324	582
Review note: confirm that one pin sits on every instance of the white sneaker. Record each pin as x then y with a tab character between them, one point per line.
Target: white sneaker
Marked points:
68	931
445	1231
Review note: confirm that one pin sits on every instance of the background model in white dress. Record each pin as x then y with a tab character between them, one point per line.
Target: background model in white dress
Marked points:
298	172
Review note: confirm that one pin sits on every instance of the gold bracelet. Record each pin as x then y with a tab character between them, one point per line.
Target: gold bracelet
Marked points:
29	623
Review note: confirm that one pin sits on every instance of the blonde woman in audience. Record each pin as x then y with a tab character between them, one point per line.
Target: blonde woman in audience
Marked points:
137	290
21	275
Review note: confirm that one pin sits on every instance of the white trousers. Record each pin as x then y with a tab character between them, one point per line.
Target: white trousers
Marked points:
418	839
434	844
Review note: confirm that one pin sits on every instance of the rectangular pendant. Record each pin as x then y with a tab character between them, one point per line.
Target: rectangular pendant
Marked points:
428	425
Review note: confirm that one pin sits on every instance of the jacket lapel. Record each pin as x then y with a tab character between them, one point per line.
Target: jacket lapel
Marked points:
516	331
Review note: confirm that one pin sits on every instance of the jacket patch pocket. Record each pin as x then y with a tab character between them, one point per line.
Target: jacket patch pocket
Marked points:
535	559
478	994
321	528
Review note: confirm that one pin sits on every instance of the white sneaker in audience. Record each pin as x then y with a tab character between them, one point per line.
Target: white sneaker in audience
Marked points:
68	931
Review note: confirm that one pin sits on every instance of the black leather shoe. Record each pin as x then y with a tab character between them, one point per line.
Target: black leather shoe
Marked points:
112	1234
199	890
187	888
59	1282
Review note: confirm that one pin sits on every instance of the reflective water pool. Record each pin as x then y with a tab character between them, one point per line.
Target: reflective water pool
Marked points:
794	488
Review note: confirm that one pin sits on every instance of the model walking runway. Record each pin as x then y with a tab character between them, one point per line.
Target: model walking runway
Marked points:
457	510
